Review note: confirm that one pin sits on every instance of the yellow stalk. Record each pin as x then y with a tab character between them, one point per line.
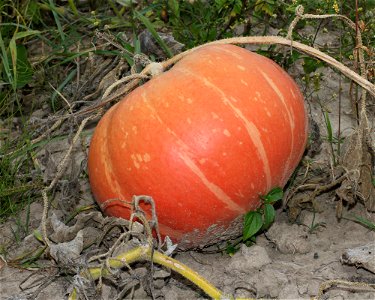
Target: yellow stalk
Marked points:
146	253
188	273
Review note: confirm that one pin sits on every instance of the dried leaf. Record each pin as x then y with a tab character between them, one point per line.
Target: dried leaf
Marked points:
362	256
67	253
357	160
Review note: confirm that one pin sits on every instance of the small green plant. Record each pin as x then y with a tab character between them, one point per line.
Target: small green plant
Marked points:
197	22
314	225
363	221
257	221
334	142
15	191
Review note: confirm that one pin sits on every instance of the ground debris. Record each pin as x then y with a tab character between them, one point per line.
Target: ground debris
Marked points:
362	256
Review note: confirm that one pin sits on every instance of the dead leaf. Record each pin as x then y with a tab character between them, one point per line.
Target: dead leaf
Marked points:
68	253
358	161
362	256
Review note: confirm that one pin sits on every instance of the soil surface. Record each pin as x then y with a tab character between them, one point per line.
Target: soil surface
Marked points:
290	261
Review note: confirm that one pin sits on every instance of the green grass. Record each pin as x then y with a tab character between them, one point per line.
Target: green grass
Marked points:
17	178
362	221
14	196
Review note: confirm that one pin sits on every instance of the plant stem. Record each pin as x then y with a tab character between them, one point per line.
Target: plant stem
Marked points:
268	40
73	7
146	253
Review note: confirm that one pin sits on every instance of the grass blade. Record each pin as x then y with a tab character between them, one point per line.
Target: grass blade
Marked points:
22	34
364	222
5	62
61	86
329	127
153	32
57	20
13	55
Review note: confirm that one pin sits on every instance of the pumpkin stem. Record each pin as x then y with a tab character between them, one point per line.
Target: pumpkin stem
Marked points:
155	68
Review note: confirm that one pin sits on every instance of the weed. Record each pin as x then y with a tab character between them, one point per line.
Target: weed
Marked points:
314	226
361	220
197	22
153	32
16	183
257	221
333	140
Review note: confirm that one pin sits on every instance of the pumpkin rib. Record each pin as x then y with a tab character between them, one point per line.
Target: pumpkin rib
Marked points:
108	182
290	118
113	166
215	189
230	52
185	155
251	129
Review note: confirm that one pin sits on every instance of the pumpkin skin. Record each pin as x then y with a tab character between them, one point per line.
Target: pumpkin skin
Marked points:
204	139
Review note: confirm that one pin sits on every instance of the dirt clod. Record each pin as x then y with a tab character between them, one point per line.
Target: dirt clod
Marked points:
290	239
249	259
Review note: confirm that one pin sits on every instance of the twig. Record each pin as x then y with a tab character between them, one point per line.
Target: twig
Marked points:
60	171
330	283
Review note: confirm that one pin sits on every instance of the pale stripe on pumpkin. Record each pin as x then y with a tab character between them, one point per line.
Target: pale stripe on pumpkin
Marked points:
290	119
184	150
251	129
229	51
213	188
109	170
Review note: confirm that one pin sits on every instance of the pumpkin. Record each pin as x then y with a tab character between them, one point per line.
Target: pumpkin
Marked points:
205	139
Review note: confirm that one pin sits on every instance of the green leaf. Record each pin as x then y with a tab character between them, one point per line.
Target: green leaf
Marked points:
252	224
273	195
269	216
38	235
21	69
329	127
16	67
265	6
220	4
310	65
231	249
22	34
237	6
6	69
365	222
175	8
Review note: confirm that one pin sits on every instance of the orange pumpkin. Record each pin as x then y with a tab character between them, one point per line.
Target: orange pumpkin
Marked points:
204	139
